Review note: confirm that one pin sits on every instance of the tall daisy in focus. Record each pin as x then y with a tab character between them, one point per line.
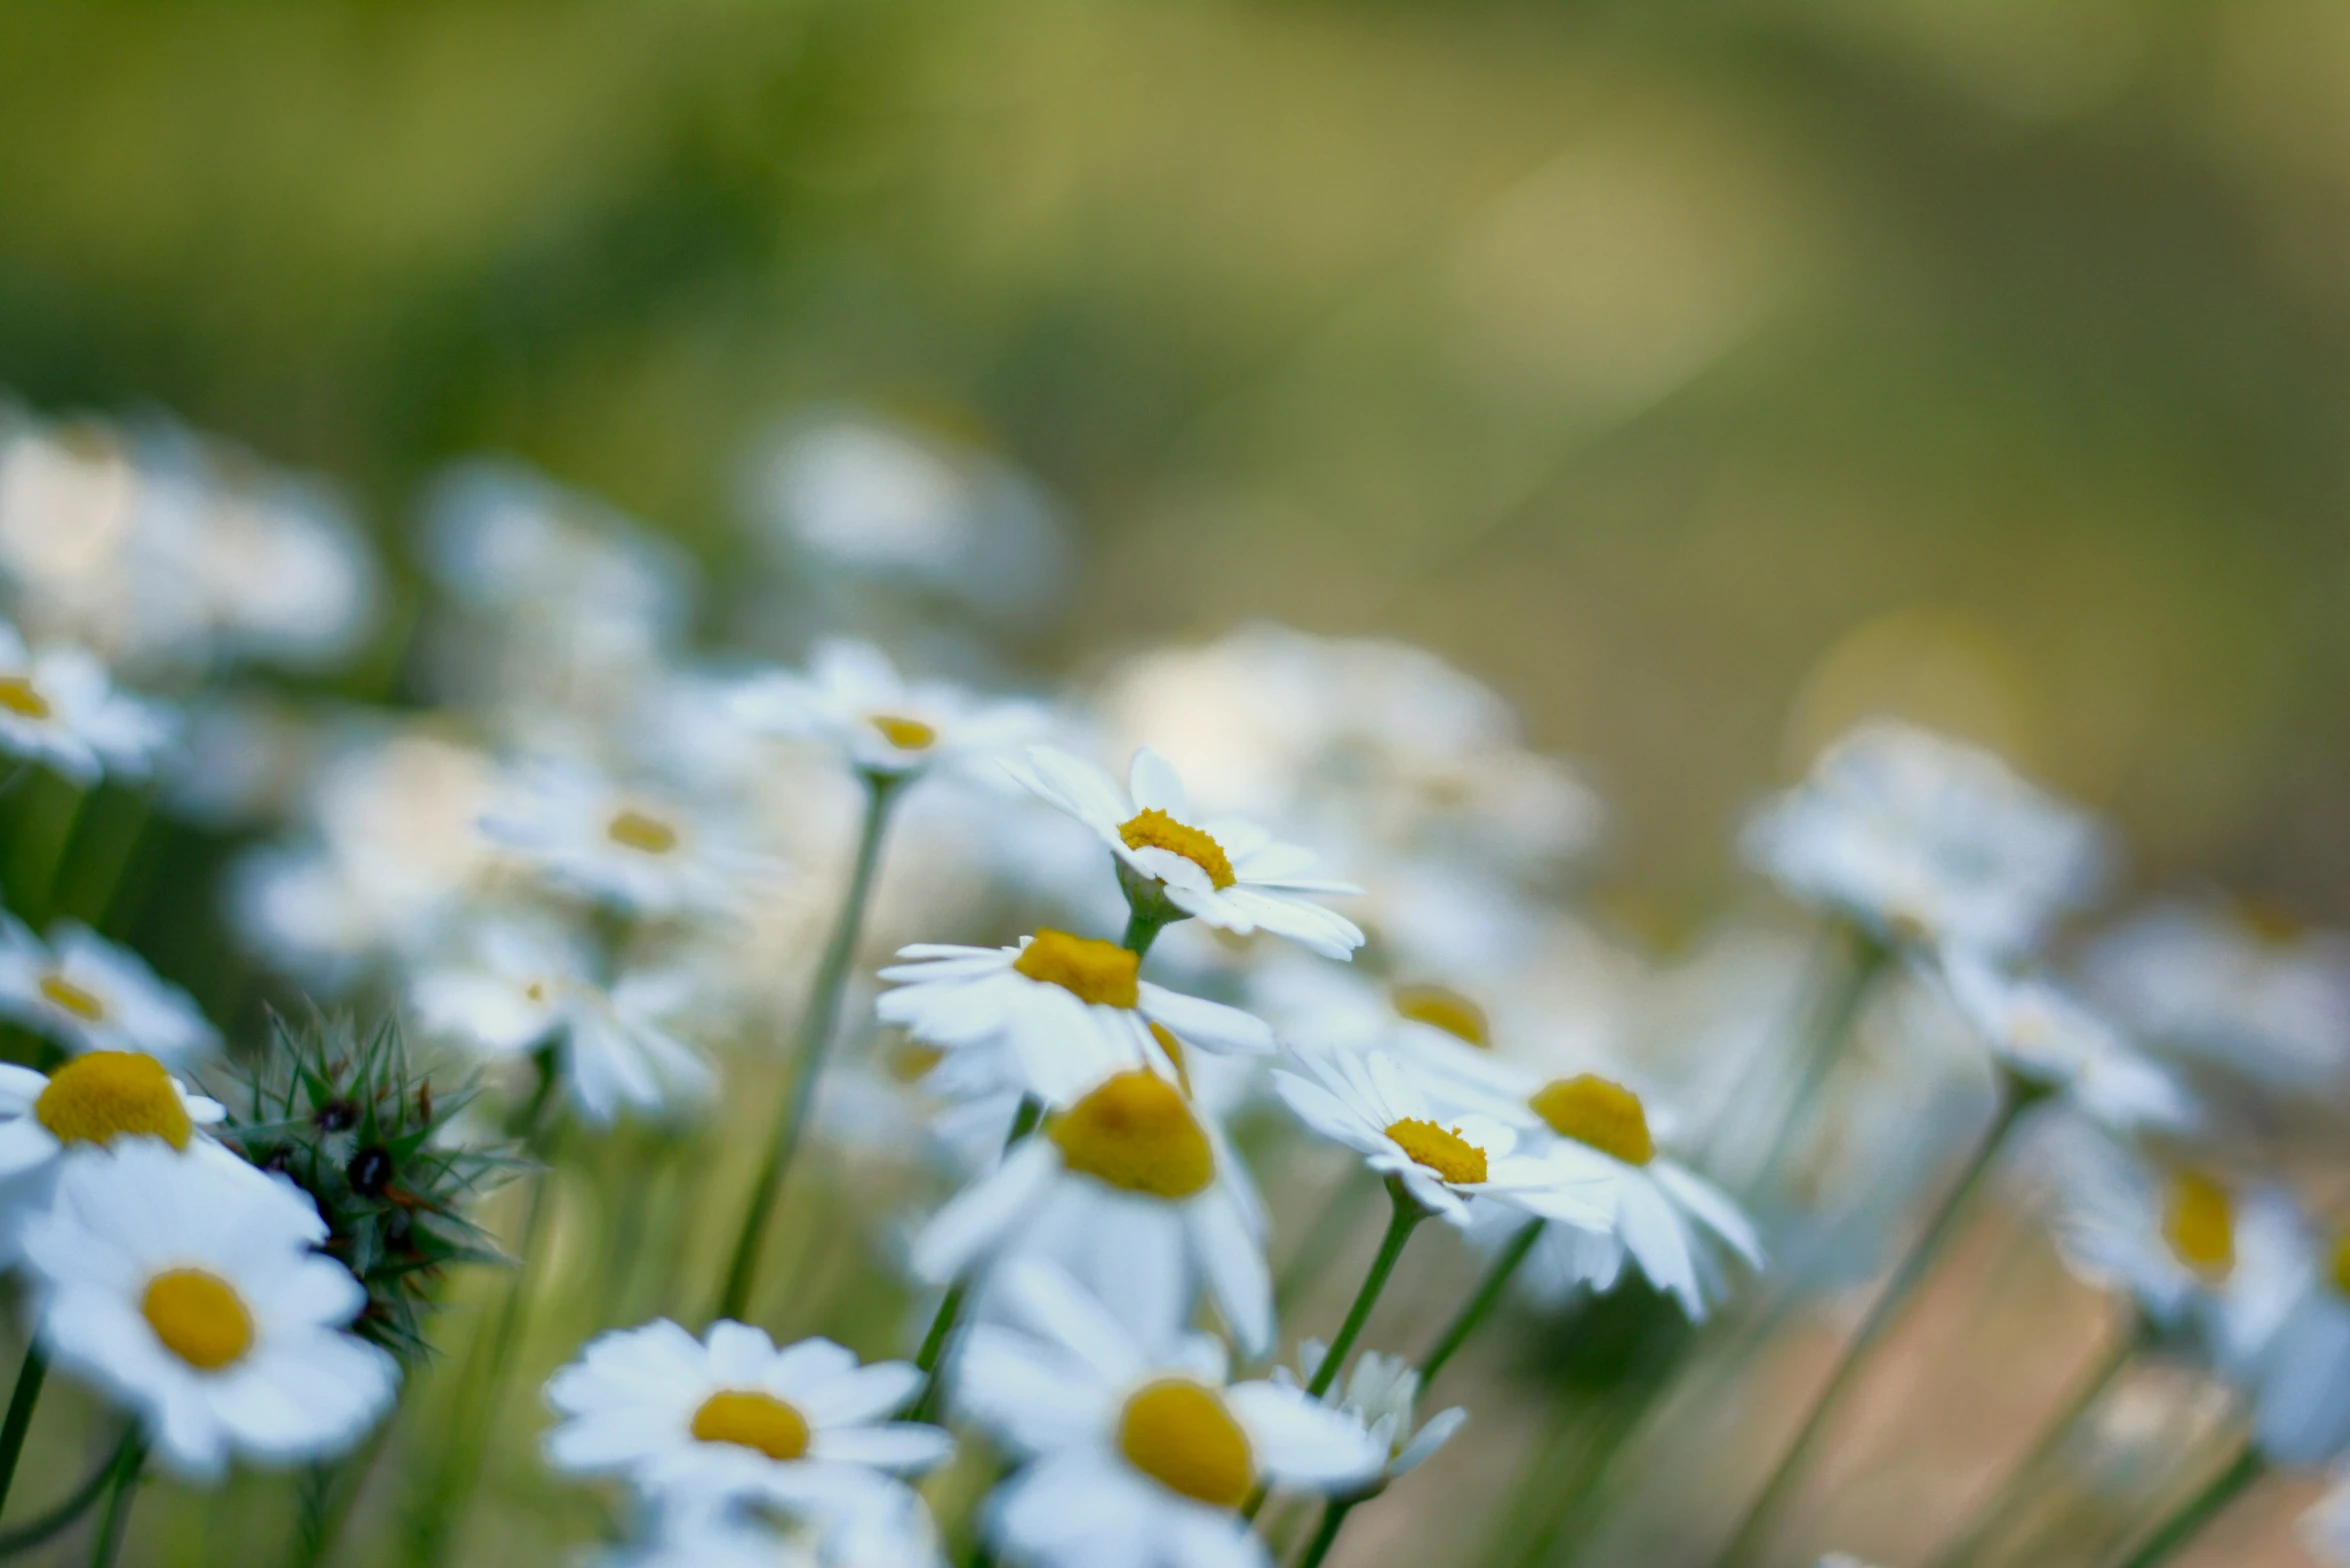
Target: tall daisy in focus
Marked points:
89	995
59	706
90	1103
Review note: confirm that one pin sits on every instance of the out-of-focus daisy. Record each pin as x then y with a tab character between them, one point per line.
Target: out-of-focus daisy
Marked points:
1069	1010
58	705
1224	871
89	1103
1383	1393
526	984
731	1417
89	995
639	851
1443	1033
1140	1454
1135	1189
2300	1383
853	698
2052	1041
1924	838
1376	1106
191	1292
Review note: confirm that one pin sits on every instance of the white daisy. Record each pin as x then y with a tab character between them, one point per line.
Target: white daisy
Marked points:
729	1417
639	851
526	984
1381	1393
2300	1383
1225	871
191	1292
88	1103
1135	1189
1069	1010
853	698
1382	1110
1140	1454
89	995
59	706
2052	1041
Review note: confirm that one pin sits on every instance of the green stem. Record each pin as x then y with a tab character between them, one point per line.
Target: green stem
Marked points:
950	1310
1859	959
1400	1224
817	1027
2197	1511
1745	1543
1497	1278
111	1523
20	1413
1334	1515
1142	929
27	1536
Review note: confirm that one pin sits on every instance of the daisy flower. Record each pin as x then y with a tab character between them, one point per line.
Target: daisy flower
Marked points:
1381	1393
640	852
1136	1189
89	1103
851	697
731	1418
2300	1383
1140	1453
1381	1109
1069	1010
59	706
89	995
2049	1039
191	1291
1225	871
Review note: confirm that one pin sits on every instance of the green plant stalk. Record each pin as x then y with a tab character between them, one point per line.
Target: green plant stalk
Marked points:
113	1522
330	1490
1400	1225
934	1343
1763	1513
19	1420
818	1025
2199	1510
1142	929
1473	1311
1334	1515
1827	1035
27	1536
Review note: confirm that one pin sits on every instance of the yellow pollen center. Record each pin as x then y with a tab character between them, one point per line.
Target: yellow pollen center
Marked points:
1591	1110
1154	829
752	1420
18	697
1179	1434
113	1094
199	1317
1089	969
1441	1007
647	835
536	993
905	734
1136	1134
2199	1222
73	999
2342	1263
1441	1149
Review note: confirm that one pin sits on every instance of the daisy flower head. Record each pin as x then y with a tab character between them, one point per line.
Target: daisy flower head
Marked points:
193	1293
730	1418
2300	1381
1379	1107
58	705
1068	1010
89	995
853	698
2045	1038
90	1103
1225	871
635	850
1141	1452
1132	1187
1382	1393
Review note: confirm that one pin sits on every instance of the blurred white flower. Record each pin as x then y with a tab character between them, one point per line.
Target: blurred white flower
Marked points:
1925	839
2054	1042
1382	1393
853	698
89	995
58	705
642	852
2300	1382
192	1292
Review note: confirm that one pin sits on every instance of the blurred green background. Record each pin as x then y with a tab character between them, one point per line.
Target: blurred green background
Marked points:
1700	371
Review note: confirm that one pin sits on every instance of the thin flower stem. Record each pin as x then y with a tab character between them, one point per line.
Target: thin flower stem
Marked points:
20	1413
1142	929
1400	1225
27	1536
112	1523
950	1310
817	1028
1762	1515
1334	1515
2199	1510
1856	960
1473	1312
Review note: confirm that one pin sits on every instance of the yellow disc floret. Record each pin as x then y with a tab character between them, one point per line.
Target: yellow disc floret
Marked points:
1179	1434
905	734
1135	1133
18	696
2342	1263
1441	1149
2199	1222
1443	1008
64	994
749	1419
199	1317
647	835
1594	1111
1092	970
113	1094
1154	829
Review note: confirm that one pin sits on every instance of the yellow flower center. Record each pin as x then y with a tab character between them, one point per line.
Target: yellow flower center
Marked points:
910	1061
18	697
1179	1434
647	835
73	999
905	734
113	1094
752	1420
1441	1007
1092	970
1154	829
2342	1263
1591	1110
2199	1222
1136	1134
1441	1149
199	1317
